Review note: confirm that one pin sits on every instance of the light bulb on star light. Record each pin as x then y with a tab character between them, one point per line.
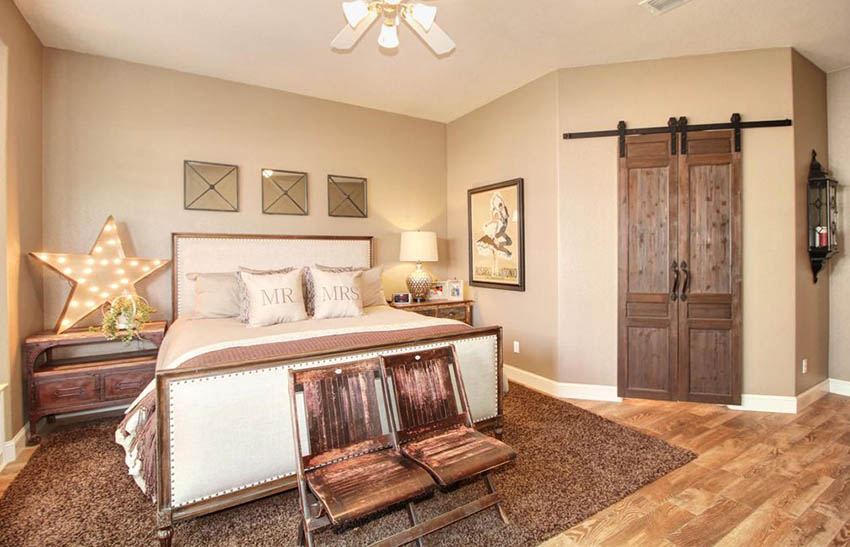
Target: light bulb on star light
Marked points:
389	36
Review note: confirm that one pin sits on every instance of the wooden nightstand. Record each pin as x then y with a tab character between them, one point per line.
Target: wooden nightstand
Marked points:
460	310
58	386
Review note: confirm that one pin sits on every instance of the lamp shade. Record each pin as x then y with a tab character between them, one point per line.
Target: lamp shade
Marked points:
418	247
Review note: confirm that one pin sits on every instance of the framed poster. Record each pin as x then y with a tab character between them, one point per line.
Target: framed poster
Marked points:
496	245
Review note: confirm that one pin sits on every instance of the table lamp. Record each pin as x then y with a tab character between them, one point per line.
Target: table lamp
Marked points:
418	247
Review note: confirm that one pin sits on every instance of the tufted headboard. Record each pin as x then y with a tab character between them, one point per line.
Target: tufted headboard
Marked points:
215	253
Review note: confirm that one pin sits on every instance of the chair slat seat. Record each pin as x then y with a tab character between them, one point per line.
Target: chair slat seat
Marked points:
458	453
360	486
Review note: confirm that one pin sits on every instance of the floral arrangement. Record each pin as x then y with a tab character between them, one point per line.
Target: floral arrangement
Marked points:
124	318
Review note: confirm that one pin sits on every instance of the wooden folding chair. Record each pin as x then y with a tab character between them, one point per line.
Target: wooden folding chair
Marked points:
434	434
353	468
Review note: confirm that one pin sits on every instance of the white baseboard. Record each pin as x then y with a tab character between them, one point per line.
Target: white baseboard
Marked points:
13	448
792	405
812	394
767	403
749	402
562	390
839	387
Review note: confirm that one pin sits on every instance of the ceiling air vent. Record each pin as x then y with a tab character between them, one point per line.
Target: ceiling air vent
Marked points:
657	7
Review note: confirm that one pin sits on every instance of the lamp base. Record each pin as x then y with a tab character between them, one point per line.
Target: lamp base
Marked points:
419	283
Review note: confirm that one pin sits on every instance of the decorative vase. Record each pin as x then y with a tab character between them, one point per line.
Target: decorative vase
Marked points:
419	283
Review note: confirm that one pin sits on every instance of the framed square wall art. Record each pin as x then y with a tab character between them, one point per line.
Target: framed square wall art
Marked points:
284	192
496	239
347	196
210	186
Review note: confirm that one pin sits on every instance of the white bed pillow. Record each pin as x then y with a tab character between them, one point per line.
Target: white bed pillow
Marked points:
373	289
336	294
243	294
273	298
216	294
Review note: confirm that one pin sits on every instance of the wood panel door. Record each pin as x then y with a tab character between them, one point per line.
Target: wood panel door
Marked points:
710	263
648	250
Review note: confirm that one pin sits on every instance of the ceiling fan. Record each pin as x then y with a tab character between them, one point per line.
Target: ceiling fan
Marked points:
360	14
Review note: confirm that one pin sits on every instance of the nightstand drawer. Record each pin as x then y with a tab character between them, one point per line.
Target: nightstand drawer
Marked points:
456	313
67	392
126	385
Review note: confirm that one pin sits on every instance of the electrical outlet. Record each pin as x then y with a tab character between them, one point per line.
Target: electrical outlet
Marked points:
805	366
516	346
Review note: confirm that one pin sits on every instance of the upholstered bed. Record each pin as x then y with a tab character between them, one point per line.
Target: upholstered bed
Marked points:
214	429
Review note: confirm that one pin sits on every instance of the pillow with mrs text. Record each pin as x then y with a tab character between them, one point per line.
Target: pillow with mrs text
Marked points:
373	289
336	294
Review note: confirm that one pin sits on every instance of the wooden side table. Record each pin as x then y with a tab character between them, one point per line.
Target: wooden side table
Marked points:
58	386
460	310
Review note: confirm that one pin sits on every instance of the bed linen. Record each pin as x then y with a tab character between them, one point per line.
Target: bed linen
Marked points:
199	342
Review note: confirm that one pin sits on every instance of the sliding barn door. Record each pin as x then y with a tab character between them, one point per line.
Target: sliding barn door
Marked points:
710	265
680	268
648	248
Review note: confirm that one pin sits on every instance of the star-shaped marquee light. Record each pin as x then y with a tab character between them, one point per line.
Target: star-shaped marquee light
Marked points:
98	277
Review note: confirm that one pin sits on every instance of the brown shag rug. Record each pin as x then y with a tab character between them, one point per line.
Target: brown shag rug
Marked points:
76	491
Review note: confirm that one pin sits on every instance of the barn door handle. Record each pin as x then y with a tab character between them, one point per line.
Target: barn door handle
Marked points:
674	294
686	284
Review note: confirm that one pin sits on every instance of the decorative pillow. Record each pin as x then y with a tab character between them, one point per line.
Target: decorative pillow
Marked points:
273	298
373	289
243	296
216	294
336	294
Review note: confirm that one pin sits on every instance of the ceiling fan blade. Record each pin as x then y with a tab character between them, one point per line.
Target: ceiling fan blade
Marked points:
436	38
348	37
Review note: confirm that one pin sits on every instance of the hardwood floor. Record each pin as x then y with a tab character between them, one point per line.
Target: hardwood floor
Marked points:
8	474
760	478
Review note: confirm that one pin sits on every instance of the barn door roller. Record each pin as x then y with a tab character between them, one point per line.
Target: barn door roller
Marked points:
681	126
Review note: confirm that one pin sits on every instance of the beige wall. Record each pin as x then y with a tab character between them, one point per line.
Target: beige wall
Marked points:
570	308
812	299
514	136
116	135
705	89
5	370
838	93
22	216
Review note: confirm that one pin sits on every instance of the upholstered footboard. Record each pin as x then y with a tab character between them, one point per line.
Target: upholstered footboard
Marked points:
224	434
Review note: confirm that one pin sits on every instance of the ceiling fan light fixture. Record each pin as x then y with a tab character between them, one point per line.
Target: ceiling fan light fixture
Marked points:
355	11
424	15
389	35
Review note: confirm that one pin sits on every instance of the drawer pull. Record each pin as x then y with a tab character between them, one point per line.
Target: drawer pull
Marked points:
66	392
128	384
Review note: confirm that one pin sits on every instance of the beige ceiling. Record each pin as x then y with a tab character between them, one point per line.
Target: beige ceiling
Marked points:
501	44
